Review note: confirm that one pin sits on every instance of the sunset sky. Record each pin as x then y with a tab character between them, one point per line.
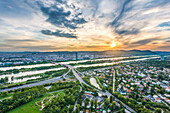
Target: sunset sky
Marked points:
84	25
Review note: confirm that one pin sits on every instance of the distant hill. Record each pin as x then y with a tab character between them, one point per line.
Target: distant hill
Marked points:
162	52
107	52
129	52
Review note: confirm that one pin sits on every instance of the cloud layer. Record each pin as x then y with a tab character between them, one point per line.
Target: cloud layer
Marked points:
51	25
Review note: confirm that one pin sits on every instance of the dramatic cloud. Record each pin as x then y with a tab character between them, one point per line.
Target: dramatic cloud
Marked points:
58	33
60	15
49	25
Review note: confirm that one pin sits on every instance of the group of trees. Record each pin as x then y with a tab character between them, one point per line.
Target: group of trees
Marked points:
111	104
4	80
3	94
139	107
21	97
59	105
152	105
62	85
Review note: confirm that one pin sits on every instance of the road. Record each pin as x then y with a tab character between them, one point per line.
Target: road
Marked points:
37	83
80	73
64	75
103	93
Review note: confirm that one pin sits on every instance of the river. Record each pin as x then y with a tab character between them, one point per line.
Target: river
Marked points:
69	62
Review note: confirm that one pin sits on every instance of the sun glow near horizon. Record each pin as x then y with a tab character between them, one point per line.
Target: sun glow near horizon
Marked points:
113	44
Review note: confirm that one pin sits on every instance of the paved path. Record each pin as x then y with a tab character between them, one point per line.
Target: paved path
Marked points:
37	83
80	73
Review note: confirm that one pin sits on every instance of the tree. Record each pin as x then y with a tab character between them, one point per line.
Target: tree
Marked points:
15	71
113	106
148	106
64	110
71	108
158	110
111	98
99	103
160	77
122	110
2	80
6	79
87	100
5	93
12	78
92	105
95	103
106	103
152	90
74	112
78	108
121	104
103	89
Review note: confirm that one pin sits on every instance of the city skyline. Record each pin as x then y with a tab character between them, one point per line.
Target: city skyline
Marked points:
84	25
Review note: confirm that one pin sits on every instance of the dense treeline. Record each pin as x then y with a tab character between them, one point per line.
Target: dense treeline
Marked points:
82	69
132	103
21	97
62	85
4	80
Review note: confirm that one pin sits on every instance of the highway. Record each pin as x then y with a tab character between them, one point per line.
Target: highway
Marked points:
37	83
103	93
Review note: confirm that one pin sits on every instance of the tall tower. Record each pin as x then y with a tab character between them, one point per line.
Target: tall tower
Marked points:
76	56
162	57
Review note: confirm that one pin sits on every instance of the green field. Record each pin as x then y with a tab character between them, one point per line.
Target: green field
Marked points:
30	107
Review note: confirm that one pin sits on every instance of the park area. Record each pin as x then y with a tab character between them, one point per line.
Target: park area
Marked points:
38	104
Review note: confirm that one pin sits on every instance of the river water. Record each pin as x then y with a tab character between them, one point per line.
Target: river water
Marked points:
26	74
69	62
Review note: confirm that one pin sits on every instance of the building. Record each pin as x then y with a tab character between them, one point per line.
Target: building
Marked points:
158	100
162	57
87	111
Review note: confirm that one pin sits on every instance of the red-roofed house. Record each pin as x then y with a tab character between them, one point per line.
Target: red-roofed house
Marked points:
167	100
87	111
142	93
127	85
158	100
128	91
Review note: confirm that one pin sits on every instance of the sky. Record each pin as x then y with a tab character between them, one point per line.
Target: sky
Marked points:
84	25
